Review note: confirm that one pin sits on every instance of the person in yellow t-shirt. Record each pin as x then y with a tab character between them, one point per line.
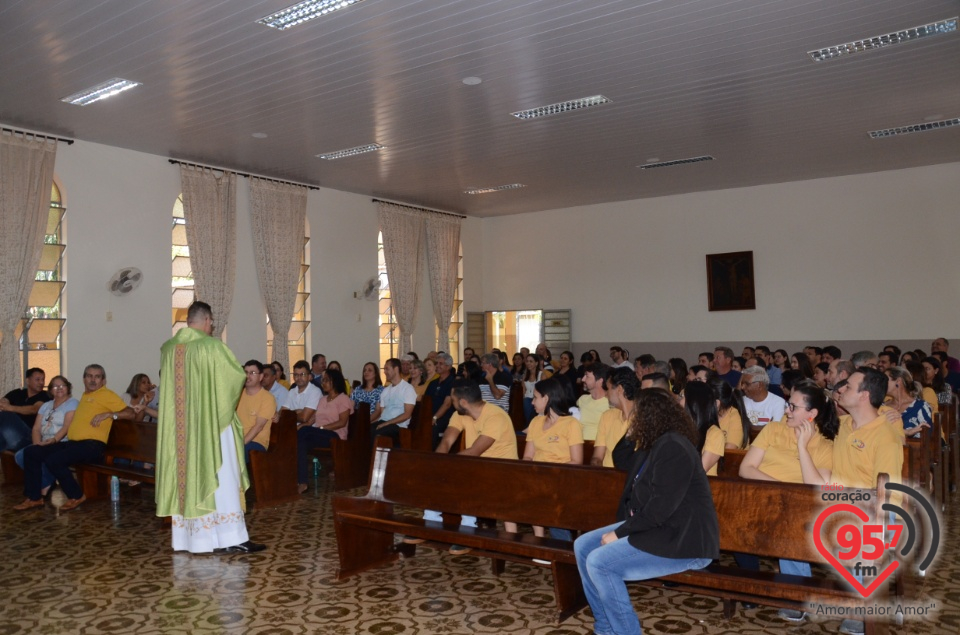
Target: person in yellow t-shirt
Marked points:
622	390
488	432
255	409
86	441
700	402
733	414
593	404
553	436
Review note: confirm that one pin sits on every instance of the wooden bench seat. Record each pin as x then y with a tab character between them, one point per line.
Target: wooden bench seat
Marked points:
135	441
756	517
12	474
351	458
273	474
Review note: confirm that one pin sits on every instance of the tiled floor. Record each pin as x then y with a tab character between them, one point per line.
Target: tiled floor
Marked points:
96	570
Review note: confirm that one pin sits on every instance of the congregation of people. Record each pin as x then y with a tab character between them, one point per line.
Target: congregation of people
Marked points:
666	423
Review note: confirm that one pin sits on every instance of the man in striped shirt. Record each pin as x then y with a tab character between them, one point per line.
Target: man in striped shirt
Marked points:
496	383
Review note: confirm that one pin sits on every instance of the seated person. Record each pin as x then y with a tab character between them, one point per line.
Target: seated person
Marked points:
52	424
700	402
304	396
329	422
18	409
396	404
255	410
87	439
139	395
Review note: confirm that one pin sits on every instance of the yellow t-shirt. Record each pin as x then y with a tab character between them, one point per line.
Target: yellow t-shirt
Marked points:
930	396
590	411
897	423
781	456
553	445
611	429
732	426
859	455
495	423
92	404
250	407
714	443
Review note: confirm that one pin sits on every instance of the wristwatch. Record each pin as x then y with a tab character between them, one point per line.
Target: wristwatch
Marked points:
115	416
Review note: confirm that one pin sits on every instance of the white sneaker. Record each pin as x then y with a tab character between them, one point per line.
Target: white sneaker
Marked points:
851	627
539	561
791	615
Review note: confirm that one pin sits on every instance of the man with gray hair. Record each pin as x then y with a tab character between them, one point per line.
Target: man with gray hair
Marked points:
661	366
440	395
496	384
864	358
762	406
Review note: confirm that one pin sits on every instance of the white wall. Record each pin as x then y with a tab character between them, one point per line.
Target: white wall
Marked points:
865	257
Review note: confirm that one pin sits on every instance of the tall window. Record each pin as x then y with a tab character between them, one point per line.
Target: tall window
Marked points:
297	337
390	331
182	280
40	331
456	319
389	337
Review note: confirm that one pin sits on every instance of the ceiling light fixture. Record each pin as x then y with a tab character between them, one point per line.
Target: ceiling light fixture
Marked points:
349	152
665	164
942	27
566	106
499	188
917	127
471	81
100	91
259	135
303	11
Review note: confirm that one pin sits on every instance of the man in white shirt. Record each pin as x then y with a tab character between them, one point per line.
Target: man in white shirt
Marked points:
620	357
303	396
761	405
396	404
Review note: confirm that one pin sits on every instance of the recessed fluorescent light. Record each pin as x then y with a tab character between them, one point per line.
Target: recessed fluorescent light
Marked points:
471	81
553	109
499	188
259	135
880	41
303	11
349	152
664	164
100	91
917	127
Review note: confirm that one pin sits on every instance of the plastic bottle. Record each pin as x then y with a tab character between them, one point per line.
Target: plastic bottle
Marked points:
316	467
114	489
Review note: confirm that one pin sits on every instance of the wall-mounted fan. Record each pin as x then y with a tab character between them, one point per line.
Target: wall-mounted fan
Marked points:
125	280
370	290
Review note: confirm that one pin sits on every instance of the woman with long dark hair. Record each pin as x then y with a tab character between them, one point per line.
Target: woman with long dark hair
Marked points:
732	414
329	422
371	385
700	402
666	519
800	362
678	374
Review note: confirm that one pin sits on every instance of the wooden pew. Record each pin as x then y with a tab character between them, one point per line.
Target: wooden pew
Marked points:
419	434
757	517
587	448
730	462
131	440
273	474
12	474
952	437
351	458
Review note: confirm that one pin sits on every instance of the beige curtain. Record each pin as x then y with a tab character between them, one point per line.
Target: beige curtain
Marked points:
26	178
278	212
210	212
402	229
443	253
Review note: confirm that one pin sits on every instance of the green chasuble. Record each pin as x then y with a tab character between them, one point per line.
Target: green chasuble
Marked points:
200	384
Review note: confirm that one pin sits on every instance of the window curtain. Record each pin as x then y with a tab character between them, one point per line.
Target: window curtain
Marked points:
278	212
210	212
402	229
26	178
443	253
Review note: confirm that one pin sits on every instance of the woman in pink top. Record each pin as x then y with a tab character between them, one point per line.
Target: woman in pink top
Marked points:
330	422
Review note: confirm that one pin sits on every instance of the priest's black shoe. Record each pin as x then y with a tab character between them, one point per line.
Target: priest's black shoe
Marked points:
243	547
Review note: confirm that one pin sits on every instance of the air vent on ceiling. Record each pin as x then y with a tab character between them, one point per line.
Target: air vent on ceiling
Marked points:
942	27
349	152
917	127
664	164
499	188
566	106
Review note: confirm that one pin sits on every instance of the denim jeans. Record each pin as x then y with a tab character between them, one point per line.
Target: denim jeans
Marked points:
794	567
251	446
58	457
14	433
308	438
46	478
604	569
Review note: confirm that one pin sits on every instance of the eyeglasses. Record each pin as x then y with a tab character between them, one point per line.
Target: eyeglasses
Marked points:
300	374
793	406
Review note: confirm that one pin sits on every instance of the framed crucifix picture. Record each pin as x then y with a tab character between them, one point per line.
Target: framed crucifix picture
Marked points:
730	281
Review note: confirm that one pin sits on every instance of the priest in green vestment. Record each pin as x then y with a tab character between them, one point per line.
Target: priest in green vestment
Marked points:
201	474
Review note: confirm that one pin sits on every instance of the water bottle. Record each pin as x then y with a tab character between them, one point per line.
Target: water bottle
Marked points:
316	467
114	489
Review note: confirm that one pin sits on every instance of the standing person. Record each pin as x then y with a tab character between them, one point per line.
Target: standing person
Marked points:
666	519
86	441
201	475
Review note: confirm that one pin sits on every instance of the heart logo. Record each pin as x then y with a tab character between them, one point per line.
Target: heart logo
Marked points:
818	541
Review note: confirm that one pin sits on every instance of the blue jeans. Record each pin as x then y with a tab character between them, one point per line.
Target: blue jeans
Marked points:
14	433
249	447
604	569
794	567
46	478
308	438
